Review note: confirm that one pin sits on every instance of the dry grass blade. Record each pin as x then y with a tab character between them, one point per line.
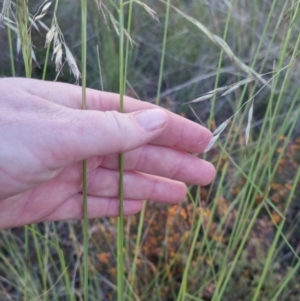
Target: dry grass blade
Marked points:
102	8
115	24
227	89
202	98
148	9
222	45
250	115
237	85
208	95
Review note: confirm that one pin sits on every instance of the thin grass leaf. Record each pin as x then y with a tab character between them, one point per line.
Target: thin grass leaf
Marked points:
250	115
43	25
34	57
33	23
8	23
211	143
5	8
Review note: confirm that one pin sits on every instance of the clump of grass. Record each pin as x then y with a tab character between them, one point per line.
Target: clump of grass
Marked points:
234	239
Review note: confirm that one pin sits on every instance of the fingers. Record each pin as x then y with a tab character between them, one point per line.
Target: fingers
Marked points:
101	133
105	183
165	162
179	132
67	136
97	207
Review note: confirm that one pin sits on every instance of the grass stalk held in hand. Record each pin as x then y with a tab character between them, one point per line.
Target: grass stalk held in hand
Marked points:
25	40
123	81
120	237
84	107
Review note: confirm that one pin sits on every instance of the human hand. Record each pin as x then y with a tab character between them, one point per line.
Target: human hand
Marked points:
44	136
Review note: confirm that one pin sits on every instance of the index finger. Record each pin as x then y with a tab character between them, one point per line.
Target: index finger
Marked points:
180	132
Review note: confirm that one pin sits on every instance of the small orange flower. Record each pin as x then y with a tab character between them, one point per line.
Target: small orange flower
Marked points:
103	257
276	218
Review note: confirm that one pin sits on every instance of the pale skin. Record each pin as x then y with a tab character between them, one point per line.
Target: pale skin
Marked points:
44	136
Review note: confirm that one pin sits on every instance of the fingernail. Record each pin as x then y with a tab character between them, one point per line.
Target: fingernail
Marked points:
151	120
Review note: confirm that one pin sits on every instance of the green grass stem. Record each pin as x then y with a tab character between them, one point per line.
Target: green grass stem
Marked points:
84	165
163	52
120	225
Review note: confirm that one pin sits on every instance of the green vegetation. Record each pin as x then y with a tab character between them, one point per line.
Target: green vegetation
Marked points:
237	239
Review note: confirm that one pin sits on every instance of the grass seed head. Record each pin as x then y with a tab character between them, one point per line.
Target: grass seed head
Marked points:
58	59
39	17
221	127
211	143
148	9
72	64
250	115
50	35
237	85
46	6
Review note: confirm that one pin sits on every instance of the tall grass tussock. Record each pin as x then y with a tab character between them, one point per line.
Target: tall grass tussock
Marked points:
230	65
